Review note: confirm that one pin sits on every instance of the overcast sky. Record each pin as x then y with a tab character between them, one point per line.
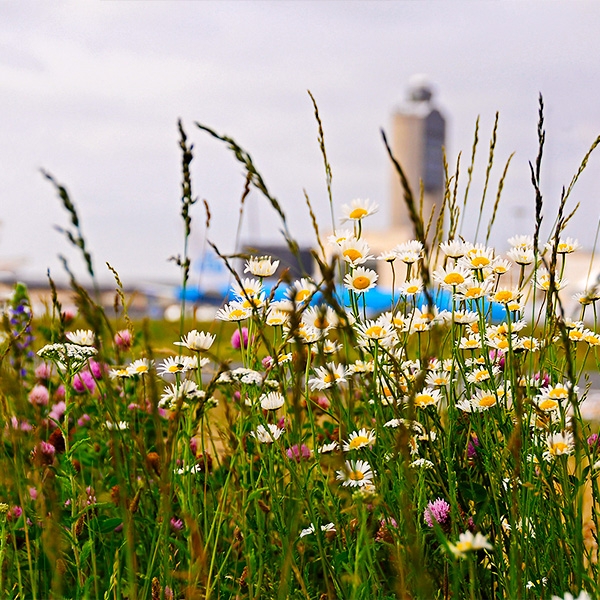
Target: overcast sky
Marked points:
92	90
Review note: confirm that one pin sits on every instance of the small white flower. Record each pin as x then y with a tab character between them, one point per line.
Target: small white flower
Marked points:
241	375
468	542
141	366
361	280
583	595
261	267
421	463
268	434
358	209
325	448
272	401
82	337
196	340
187	390
120	426
355	473
359	439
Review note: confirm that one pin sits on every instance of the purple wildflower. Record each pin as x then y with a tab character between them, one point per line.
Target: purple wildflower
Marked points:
84	381
236	339
97	369
39	395
43	371
58	410
83	420
472	448
298	453
123	339
438	510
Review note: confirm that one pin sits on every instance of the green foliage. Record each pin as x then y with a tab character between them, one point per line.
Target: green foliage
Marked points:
330	452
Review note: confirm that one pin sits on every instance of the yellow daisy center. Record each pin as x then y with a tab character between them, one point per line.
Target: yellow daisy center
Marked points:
331	377
236	313
321	323
412	289
454	278
559	448
358	441
302	295
252	302
424	399
559	392
482	375
361	282
548	404
503	296
592	340
358	213
487	401
141	369
474	292
374	331
352	254
356	475
480	261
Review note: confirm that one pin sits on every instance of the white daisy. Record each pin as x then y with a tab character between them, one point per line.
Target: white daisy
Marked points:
234	311
197	341
361	280
358	209
356	473
268	434
428	397
326	448
328	376
359	439
272	401
455	248
467	542
141	366
355	252
81	337
263	266
301	290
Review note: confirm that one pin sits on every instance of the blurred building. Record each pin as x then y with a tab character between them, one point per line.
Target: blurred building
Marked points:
417	139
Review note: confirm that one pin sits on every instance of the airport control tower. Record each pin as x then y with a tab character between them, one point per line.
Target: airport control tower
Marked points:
418	137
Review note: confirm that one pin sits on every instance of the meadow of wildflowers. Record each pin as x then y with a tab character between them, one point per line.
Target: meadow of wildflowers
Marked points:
424	452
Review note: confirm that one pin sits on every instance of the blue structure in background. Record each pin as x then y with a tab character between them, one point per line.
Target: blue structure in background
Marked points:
378	301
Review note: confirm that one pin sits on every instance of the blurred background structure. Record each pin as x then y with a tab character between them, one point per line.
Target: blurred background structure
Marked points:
418	140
